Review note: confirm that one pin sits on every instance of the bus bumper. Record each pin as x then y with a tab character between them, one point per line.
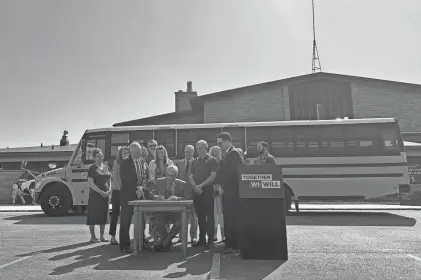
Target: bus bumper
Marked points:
404	189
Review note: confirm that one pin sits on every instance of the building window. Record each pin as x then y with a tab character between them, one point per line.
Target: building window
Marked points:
1	166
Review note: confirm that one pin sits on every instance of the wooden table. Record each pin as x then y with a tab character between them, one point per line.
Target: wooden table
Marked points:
157	206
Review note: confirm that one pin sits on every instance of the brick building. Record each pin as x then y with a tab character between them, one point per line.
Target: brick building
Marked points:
307	97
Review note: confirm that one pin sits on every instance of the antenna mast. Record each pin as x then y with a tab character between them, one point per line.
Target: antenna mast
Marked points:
316	66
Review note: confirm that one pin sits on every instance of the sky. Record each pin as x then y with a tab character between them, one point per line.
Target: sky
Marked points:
84	64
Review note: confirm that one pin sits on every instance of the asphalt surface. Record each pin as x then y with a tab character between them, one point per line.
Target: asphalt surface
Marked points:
340	244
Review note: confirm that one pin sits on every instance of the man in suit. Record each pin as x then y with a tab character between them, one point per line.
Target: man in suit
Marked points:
133	187
184	170
230	185
169	188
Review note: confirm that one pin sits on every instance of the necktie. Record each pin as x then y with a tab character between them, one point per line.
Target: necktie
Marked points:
139	176
187	168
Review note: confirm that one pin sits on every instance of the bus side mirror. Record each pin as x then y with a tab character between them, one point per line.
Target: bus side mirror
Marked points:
245	153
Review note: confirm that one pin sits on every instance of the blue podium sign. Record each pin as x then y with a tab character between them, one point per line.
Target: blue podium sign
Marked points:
260	181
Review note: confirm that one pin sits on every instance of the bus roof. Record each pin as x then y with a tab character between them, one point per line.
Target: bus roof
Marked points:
243	124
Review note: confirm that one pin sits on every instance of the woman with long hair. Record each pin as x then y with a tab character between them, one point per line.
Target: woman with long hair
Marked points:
215	152
157	169
99	179
123	153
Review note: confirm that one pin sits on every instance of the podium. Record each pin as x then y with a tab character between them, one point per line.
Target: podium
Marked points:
262	213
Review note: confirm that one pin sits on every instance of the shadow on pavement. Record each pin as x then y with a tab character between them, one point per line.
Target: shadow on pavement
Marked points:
108	257
349	219
57	249
234	268
42	219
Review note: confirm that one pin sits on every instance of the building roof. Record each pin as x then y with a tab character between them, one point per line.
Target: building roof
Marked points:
169	118
46	149
198	101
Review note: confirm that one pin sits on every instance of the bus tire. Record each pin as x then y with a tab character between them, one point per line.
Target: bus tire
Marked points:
287	198
56	200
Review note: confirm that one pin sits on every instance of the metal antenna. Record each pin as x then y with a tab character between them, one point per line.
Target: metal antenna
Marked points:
316	66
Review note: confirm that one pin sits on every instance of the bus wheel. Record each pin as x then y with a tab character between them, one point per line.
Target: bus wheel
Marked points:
56	200
287	199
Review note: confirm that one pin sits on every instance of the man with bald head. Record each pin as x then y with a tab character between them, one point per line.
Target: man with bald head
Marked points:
184	170
133	187
202	175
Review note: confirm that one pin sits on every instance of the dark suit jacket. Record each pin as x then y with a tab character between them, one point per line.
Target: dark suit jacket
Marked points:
181	165
180	188
129	181
228	176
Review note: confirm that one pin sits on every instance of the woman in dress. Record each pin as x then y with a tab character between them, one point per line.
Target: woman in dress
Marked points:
215	152
123	153
157	169
99	179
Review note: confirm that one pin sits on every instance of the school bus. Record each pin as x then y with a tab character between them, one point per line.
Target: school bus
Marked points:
342	159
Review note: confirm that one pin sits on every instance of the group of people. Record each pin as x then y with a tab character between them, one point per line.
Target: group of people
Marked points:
210	180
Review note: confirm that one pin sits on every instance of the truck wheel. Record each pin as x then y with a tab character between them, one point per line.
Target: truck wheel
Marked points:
56	200
287	199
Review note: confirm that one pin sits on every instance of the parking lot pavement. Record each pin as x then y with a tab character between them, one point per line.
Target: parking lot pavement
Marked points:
303	206
322	245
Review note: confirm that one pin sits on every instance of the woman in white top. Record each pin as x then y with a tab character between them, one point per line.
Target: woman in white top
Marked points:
157	169
215	152
158	166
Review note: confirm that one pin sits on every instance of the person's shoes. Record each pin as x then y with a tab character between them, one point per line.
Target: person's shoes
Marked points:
113	241
199	243
215	239
94	240
103	239
209	244
126	250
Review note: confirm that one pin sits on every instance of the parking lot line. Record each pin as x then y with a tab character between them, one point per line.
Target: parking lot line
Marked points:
414	257
216	265
15	261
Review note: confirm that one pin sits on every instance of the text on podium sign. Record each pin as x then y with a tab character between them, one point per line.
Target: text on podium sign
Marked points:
263	181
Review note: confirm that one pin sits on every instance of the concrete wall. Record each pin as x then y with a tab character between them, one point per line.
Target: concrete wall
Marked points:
388	100
258	103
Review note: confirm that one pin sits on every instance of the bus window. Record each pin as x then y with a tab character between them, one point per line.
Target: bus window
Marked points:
237	134
166	138
118	140
362	139
332	139
255	134
209	135
281	141
78	158
184	138
91	144
141	136
306	140
390	138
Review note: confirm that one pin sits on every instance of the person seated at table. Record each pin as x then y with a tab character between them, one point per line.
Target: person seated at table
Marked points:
169	188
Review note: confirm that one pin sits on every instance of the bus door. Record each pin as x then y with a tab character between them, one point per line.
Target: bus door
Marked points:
78	170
